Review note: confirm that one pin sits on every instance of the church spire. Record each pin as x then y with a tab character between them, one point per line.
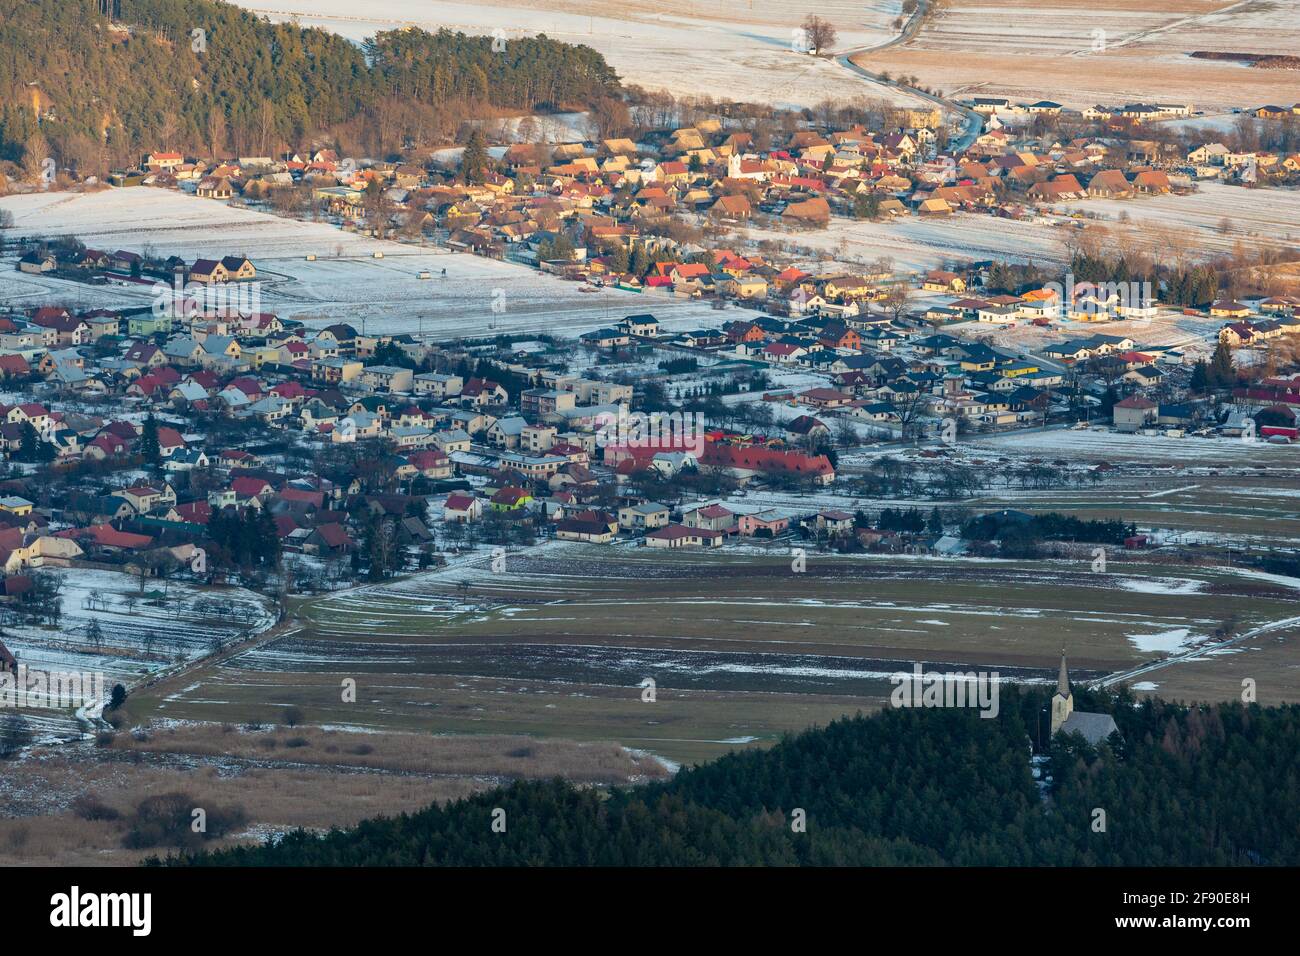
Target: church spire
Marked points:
1063	679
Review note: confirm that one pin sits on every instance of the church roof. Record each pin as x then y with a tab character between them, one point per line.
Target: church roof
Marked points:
1093	727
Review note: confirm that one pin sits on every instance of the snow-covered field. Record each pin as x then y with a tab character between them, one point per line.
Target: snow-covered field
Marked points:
915	243
1197	221
345	283
1115	446
1110	51
139	635
1192	225
730	50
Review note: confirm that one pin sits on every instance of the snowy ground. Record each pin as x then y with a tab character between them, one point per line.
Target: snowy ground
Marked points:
916	244
730	50
142	634
346	283
1113	51
1214	219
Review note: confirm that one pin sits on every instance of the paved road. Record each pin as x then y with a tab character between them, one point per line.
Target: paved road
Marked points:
973	123
1197	652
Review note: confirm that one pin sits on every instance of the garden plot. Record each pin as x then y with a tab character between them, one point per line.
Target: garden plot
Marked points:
345	283
109	626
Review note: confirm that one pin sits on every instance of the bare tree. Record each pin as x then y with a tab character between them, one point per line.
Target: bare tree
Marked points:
820	34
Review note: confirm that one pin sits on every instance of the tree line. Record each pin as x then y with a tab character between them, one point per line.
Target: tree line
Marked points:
1181	786
212	79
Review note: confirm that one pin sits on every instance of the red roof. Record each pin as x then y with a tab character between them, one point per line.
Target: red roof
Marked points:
290	493
195	512
109	537
249	487
510	496
766	460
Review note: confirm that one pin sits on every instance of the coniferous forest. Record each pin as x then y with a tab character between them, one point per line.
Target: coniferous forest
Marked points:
1212	785
94	83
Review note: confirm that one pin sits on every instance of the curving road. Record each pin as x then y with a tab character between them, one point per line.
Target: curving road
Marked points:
973	122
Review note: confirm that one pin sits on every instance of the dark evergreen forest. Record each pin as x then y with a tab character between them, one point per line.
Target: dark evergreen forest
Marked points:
95	83
1211	785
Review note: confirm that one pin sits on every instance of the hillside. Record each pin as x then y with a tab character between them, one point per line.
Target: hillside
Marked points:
208	77
939	786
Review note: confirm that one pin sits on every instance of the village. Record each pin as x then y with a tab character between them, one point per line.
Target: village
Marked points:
205	436
515	434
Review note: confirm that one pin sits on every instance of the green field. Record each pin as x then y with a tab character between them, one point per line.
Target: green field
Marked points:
741	648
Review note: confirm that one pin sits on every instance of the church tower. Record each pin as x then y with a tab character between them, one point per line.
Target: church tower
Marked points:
1062	700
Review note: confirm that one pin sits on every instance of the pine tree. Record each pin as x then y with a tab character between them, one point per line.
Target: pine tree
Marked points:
1223	370
1200	381
150	450
474	164
935	525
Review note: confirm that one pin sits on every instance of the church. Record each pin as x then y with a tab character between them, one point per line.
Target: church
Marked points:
1065	719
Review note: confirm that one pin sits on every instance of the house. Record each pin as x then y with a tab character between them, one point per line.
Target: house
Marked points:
1236	334
462	507
511	499
589	526
1133	413
387	378
644	516
642	326
37	262
327	539
939	281
605	338
680	536
1109	184
805	427
832	522
713	517
1228	308
208	271
436	385
763	524
811	212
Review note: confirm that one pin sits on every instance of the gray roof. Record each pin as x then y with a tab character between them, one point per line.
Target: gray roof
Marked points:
1093	727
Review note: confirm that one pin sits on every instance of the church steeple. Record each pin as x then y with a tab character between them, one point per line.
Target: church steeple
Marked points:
1062	700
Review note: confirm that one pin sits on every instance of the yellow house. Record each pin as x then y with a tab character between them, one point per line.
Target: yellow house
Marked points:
940	281
746	287
209	271
239	268
15	505
263	355
1228	309
511	499
846	286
